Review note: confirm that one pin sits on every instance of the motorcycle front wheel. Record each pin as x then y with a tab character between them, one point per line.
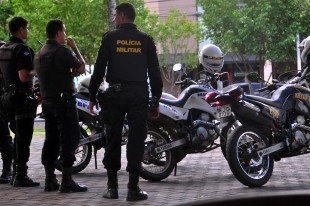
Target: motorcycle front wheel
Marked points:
157	166
246	165
82	154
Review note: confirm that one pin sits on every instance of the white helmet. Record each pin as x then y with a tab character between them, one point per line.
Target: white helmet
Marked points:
211	58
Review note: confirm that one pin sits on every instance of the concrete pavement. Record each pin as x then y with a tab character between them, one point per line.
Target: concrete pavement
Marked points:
199	177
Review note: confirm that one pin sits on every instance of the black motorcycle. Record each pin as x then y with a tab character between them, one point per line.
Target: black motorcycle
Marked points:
269	129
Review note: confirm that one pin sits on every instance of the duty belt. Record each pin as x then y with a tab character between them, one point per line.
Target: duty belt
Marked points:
63	95
22	90
117	85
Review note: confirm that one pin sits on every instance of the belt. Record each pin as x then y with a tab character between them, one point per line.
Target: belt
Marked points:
133	83
21	90
60	96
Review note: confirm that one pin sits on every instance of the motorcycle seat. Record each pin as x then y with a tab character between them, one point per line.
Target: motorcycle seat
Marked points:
275	102
278	97
181	100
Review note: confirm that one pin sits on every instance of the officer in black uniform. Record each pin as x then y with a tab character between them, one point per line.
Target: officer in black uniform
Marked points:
6	142
130	56
56	65
18	101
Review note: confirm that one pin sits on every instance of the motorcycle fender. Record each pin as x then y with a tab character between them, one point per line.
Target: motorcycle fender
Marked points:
174	113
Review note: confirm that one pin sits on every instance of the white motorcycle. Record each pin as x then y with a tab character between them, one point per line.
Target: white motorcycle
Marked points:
186	125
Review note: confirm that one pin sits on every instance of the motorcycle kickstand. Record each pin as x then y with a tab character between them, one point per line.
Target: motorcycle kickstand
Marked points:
95	156
175	170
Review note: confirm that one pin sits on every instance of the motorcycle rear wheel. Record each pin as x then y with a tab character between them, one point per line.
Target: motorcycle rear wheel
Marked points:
246	165
157	166
82	154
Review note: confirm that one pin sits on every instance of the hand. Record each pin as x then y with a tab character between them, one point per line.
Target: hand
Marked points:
75	72
154	113
91	106
71	42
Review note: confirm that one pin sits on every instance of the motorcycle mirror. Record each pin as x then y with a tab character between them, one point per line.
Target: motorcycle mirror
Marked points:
177	67
253	77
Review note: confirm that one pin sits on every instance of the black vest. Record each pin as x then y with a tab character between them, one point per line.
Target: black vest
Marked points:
8	65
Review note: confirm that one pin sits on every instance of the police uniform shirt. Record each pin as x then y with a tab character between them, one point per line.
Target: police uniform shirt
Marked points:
53	64
130	57
23	60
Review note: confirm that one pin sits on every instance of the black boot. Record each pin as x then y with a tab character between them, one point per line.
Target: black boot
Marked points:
22	180
51	183
112	191
67	183
6	176
134	192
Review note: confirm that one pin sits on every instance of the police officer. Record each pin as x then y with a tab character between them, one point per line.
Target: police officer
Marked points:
16	62
56	65
130	56
6	142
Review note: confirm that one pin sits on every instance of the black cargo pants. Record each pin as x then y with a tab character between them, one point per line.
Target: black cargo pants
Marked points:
133	101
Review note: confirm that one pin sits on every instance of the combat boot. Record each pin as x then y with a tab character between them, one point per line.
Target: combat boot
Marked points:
6	176
134	192
67	183
51	183
22	180
112	190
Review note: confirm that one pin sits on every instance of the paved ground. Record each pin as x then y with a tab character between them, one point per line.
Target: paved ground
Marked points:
199	177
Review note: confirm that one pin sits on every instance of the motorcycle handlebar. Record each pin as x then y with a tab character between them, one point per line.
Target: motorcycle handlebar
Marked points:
189	81
186	81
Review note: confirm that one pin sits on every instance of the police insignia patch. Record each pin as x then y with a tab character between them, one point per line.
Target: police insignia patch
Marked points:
73	54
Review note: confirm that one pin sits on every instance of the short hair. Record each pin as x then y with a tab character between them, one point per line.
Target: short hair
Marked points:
16	23
127	9
52	27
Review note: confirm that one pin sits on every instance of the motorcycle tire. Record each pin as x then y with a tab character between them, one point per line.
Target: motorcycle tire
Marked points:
82	154
157	166
246	165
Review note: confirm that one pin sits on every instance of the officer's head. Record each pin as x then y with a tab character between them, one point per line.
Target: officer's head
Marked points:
125	13
55	29
18	26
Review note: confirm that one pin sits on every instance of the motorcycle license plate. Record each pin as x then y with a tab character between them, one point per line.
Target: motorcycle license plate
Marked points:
223	111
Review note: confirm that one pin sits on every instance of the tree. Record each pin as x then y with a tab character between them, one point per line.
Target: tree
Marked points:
86	20
266	29
111	12
174	37
6	10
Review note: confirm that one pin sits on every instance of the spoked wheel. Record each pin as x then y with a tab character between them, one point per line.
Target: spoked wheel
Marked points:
247	166
82	154
157	166
225	132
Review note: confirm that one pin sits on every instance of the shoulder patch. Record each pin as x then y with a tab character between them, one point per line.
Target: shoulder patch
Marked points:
26	53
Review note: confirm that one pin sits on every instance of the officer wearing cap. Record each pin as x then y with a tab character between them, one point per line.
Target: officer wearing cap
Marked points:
128	57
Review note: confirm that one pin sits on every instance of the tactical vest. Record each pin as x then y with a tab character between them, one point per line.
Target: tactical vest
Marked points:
44	63
7	57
